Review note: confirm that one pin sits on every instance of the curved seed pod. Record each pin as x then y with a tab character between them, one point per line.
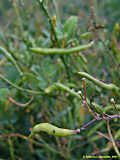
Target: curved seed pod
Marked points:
61	51
83	58
59	86
99	83
52	130
10	58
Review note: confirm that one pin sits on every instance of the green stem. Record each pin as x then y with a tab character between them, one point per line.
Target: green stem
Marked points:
112	139
103	85
11	148
41	2
11	59
20	88
61	51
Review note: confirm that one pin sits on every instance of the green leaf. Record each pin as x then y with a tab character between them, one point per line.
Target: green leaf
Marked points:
48	67
40	76
33	80
12	74
70	26
60	31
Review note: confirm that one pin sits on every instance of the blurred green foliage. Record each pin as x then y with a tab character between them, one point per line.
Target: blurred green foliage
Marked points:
23	25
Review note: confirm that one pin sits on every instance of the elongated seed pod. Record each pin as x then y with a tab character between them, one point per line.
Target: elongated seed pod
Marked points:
99	83
52	130
60	86
61	51
10	58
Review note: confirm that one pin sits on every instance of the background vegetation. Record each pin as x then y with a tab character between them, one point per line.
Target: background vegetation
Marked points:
24	24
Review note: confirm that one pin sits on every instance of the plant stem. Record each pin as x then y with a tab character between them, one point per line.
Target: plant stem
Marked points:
41	2
20	88
112	139
11	59
11	148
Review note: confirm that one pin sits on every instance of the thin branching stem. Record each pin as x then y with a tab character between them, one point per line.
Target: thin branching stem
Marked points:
11	59
20	88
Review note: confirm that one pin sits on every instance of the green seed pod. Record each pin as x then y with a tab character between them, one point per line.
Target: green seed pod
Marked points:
83	58
97	108
61	51
99	83
59	86
86	35
52	130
